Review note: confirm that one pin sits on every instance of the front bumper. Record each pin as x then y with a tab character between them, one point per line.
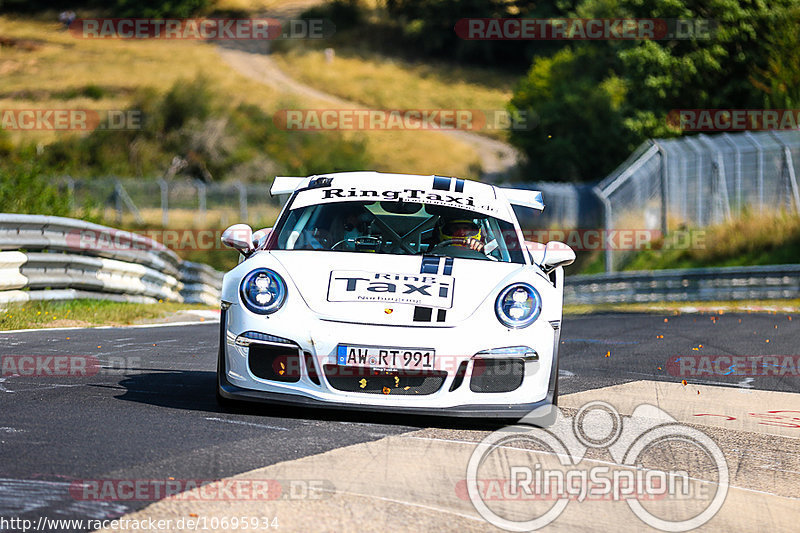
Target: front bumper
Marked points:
538	388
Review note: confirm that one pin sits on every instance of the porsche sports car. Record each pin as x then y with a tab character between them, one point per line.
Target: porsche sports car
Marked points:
393	292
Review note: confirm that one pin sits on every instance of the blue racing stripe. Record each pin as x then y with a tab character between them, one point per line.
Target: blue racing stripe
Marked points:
441	184
430	264
448	266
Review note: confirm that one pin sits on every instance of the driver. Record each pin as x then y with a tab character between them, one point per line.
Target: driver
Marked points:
353	225
354	221
465	232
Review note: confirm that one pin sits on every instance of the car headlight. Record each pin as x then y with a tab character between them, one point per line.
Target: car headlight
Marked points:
518	305
263	291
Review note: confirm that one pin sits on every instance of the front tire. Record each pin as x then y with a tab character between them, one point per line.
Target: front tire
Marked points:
225	403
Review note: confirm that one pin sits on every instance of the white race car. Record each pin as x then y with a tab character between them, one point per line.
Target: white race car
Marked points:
393	292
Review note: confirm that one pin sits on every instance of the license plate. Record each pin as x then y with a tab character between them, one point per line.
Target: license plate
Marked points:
385	357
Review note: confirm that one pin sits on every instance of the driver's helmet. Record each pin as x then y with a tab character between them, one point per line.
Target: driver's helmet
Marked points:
458	229
355	228
353	221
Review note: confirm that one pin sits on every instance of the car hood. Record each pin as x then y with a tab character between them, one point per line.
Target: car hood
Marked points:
402	290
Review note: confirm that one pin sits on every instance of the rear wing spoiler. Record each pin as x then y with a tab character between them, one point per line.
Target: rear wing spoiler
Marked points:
524	198
521	197
288	184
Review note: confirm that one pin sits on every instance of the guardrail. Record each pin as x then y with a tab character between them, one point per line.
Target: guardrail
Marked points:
57	258
682	285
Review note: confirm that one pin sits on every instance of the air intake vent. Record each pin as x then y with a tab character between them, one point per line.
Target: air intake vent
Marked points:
276	363
496	375
371	381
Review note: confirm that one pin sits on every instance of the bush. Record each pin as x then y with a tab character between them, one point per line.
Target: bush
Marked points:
185	102
122	8
24	189
213	139
345	14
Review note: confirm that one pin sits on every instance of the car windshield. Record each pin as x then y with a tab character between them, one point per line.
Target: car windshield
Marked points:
399	228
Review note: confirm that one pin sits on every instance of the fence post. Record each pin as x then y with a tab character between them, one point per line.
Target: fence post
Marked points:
760	166
721	204
788	170
787	160
242	201
164	201
118	202
680	181
609	259
71	194
737	171
201	200
664	192
122	197
698	180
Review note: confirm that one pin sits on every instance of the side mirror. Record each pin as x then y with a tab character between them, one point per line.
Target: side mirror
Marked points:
556	254
239	237
536	250
261	237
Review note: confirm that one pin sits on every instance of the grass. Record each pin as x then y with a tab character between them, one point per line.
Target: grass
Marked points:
717	307
63	63
84	313
186	224
752	239
383	83
65	72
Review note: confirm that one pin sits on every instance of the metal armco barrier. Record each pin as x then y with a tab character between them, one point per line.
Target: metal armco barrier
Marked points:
682	285
57	258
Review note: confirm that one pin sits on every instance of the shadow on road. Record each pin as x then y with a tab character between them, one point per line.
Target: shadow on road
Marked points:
194	390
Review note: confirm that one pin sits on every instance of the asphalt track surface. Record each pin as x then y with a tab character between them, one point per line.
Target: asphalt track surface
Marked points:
149	411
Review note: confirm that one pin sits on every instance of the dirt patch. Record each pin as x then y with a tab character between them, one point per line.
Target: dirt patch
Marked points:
69	323
28	45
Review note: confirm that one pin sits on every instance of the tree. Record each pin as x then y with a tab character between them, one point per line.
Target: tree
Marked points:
579	105
602	98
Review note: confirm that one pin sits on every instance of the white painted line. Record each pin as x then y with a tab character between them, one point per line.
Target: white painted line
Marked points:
402	502
243	423
131	326
212	314
746	383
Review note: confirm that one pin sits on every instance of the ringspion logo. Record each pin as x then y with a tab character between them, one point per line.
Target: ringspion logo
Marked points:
543	469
